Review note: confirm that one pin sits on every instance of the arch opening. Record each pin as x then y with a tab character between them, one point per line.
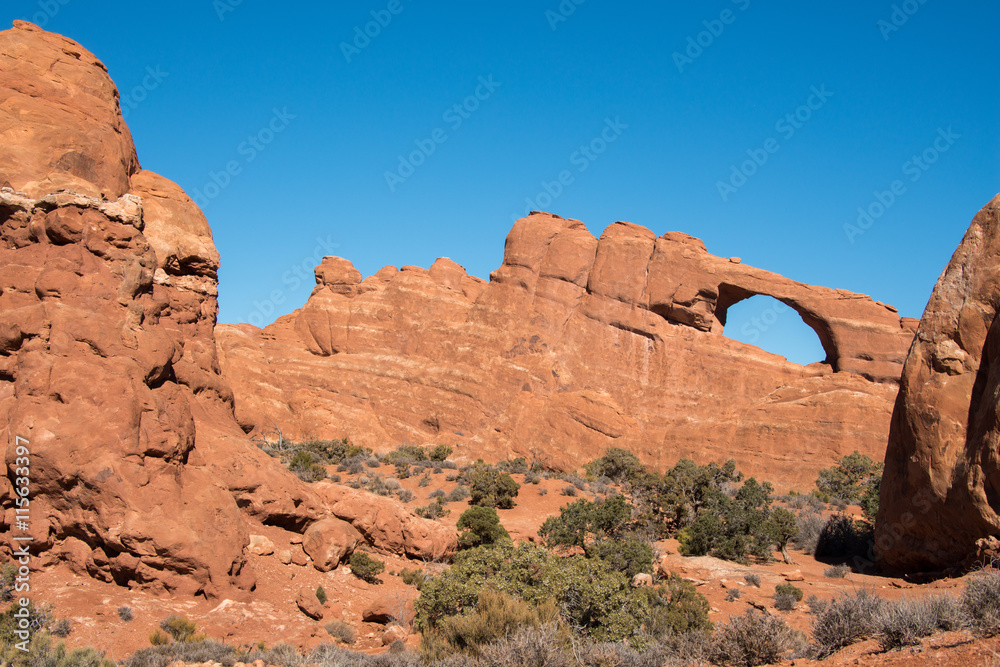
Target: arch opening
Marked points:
776	327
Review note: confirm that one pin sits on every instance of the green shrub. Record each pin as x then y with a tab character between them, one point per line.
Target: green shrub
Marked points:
583	522
434	510
736	528
593	598
366	568
181	629
495	615
854	477
415	578
39	619
303	465
490	487
440	453
631	555
620	465
752	639
676	608
479	526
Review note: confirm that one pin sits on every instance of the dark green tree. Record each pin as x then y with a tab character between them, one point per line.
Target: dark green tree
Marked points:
490	487
480	526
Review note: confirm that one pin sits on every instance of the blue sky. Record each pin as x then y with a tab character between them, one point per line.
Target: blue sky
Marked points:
828	102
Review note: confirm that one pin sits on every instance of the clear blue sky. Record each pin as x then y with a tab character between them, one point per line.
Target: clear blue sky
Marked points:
679	127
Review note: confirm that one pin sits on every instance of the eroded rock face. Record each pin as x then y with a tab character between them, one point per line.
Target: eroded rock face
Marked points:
941	486
108	364
575	345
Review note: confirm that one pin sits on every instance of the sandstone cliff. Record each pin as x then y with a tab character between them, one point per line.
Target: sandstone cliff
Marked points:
941	487
576	344
139	473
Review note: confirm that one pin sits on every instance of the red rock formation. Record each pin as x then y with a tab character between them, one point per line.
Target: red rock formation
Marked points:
108	362
575	345
941	486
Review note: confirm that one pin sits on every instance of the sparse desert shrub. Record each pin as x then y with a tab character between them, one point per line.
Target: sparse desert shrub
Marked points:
425	481
480	526
531	478
376	484
451	477
373	462
981	603
434	510
733	594
62	628
392	484
903	622
789	589
458	494
8	573
159	638
516	466
949	614
355	468
342	631
845	620
784	602
816	604
125	613
181	629
752	639
41	653
405	495
811	525
752	580
543	492
167	652
528	647
837	572
366	568
437	493
569	491
415	578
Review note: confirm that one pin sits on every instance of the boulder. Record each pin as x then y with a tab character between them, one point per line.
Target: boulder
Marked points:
391	608
329	542
388	525
308	603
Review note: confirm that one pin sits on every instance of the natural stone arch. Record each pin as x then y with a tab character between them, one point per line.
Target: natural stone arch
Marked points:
730	295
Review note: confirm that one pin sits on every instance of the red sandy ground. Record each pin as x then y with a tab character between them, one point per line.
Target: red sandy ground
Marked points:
271	615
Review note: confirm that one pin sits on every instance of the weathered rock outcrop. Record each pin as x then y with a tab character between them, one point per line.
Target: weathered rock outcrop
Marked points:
576	344
108	363
941	486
